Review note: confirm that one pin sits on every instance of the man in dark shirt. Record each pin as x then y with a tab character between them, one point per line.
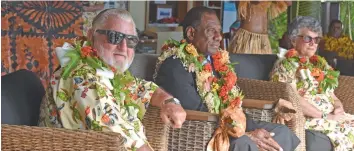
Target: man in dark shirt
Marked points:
202	28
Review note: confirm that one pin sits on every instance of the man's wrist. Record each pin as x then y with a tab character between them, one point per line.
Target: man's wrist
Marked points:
171	100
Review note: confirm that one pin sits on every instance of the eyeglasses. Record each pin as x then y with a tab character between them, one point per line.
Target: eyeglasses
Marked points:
308	39
115	38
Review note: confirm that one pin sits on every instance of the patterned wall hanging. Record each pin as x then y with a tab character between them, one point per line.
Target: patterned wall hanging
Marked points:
31	30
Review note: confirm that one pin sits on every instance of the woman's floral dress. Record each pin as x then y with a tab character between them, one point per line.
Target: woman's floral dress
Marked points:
341	133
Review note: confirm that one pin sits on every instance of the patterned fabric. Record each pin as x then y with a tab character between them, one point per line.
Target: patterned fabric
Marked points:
84	101
341	133
30	31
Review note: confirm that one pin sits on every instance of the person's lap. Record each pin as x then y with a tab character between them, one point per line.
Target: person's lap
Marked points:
315	141
283	136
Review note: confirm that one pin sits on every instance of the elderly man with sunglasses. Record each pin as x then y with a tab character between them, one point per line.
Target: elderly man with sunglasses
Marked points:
92	90
327	125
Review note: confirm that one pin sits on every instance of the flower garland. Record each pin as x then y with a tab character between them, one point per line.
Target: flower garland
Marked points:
221	95
344	46
116	82
218	93
314	72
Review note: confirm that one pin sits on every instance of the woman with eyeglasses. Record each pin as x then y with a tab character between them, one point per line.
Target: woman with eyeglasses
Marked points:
314	80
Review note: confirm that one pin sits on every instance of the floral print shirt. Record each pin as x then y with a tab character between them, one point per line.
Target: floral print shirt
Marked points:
340	132
85	101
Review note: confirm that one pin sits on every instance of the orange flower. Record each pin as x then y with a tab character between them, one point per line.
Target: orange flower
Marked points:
207	67
317	74
303	60
183	41
291	53
236	102
314	59
216	56
200	59
105	119
87	110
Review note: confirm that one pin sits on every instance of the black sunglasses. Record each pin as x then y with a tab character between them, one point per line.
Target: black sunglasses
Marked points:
115	38
308	39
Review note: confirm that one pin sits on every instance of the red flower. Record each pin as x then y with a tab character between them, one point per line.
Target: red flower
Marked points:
314	59
223	94
53	82
86	51
303	60
164	47
113	69
207	67
291	53
230	80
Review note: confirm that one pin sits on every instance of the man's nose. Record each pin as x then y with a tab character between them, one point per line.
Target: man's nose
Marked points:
122	46
217	36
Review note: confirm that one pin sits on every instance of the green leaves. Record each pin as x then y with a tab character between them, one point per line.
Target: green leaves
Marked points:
95	63
70	66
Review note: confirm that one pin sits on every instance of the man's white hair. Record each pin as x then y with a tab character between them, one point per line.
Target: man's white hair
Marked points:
100	19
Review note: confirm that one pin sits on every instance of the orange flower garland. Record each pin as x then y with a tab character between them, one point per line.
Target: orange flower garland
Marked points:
317	68
220	94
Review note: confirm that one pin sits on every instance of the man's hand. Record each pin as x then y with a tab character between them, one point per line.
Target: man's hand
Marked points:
264	140
336	117
173	114
338	110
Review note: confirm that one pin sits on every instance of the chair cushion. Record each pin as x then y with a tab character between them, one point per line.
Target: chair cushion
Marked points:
143	66
346	67
253	66
22	93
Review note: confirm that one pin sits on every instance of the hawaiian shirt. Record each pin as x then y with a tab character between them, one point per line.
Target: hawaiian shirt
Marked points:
85	101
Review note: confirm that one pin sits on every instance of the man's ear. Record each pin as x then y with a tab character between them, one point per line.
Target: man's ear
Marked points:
90	35
190	31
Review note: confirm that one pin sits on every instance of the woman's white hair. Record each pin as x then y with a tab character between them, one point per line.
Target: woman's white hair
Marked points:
100	19
304	22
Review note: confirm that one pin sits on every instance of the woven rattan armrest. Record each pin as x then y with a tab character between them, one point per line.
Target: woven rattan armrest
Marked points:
15	137
258	104
345	93
273	91
247	103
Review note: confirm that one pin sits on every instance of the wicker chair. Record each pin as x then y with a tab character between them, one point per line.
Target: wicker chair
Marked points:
21	138
199	126
196	132
345	93
22	92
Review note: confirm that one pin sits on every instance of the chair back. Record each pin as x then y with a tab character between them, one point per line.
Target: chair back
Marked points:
21	96
143	66
253	66
346	67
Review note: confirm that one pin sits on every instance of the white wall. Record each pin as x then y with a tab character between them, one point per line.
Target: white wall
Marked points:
137	9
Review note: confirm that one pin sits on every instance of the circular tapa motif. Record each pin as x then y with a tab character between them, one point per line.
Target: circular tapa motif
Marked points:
50	15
